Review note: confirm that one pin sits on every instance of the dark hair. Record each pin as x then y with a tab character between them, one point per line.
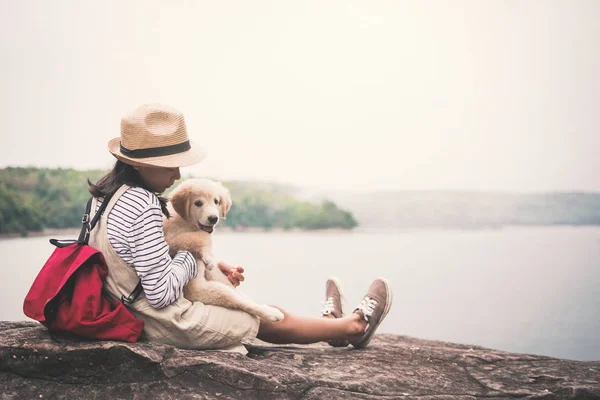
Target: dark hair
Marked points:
122	174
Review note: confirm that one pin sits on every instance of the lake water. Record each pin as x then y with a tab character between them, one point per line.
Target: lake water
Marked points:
529	290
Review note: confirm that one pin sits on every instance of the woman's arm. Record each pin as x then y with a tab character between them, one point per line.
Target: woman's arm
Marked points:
162	278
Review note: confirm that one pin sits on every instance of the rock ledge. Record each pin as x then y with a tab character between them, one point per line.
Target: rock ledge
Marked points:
35	365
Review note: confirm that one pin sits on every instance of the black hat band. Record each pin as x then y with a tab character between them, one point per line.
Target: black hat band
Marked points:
156	151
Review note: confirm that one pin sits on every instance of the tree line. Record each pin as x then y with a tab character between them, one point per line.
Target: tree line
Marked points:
34	199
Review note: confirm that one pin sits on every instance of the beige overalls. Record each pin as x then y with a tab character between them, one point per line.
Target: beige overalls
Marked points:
182	323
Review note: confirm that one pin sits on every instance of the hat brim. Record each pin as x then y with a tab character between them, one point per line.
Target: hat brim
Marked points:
189	157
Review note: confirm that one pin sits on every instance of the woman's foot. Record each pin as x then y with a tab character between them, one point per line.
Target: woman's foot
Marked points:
373	309
333	306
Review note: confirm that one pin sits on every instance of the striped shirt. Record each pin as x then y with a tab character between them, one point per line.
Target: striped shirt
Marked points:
135	231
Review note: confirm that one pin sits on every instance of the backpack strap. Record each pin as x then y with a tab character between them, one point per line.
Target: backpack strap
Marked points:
133	295
85	228
84	237
87	225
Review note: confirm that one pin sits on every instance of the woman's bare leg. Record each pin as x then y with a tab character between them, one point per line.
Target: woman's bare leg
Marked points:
304	330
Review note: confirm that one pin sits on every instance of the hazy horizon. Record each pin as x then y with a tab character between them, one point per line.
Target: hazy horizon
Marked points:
324	189
417	95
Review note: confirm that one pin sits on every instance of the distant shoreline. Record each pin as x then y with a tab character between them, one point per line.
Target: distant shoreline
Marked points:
73	233
66	232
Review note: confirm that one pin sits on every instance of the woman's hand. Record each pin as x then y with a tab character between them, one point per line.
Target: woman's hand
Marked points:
234	274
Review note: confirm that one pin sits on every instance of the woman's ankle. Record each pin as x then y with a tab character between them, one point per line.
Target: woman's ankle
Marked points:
356	325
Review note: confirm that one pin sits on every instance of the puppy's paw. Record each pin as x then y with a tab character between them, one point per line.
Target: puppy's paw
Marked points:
271	313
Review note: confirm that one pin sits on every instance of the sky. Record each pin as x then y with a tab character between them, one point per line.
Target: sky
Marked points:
372	95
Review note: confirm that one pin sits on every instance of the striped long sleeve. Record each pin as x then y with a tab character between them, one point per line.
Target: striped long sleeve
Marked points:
135	231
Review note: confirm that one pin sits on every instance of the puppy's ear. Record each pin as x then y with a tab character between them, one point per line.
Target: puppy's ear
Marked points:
225	199
181	202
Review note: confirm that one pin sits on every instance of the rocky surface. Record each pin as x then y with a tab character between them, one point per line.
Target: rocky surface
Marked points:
34	365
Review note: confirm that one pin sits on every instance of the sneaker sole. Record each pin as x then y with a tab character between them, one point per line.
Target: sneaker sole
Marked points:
388	305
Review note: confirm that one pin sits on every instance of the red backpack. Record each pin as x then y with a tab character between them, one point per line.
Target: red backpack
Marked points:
67	294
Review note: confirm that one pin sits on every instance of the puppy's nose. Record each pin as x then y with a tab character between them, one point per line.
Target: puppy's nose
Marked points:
213	219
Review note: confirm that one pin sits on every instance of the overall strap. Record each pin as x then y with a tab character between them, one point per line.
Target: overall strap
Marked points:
106	206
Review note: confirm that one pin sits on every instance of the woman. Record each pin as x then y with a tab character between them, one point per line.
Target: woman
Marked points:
152	146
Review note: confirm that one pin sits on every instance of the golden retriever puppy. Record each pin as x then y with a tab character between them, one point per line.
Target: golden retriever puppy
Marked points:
196	207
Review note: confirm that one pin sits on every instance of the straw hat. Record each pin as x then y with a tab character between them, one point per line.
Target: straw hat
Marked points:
155	135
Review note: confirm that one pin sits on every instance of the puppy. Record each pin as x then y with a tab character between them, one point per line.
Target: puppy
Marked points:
196	207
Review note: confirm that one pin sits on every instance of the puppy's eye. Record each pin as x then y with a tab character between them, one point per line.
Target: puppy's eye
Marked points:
198	203
217	201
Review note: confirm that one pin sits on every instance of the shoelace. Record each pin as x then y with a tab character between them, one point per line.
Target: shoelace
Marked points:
327	306
367	306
